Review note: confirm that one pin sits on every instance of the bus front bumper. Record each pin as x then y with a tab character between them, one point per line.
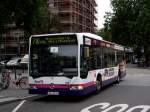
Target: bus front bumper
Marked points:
62	92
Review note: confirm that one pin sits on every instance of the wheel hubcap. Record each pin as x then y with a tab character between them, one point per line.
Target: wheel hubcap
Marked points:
98	84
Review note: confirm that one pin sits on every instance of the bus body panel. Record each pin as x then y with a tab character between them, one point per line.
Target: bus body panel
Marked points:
62	85
108	75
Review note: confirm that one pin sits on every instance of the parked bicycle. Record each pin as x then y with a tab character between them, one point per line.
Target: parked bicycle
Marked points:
5	79
21	81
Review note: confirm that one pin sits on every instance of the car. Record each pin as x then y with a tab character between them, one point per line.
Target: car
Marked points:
25	59
135	61
3	63
14	62
140	62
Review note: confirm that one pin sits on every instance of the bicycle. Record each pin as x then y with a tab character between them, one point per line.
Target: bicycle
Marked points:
21	81
5	80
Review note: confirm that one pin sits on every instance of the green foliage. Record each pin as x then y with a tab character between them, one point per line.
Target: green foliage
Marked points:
33	15
106	31
130	24
5	14
105	34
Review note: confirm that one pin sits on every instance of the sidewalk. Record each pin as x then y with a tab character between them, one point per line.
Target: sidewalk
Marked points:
10	95
131	68
13	93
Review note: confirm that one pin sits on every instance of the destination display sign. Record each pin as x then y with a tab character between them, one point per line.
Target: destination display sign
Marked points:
54	40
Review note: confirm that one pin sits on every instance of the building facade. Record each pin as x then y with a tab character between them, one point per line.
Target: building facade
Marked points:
75	15
12	42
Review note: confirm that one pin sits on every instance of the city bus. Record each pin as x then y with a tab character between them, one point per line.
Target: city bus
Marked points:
73	64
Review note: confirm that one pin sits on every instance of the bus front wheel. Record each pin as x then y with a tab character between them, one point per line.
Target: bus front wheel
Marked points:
98	85
118	77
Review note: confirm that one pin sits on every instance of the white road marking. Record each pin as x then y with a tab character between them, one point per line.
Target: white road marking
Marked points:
121	106
18	106
106	107
101	106
145	108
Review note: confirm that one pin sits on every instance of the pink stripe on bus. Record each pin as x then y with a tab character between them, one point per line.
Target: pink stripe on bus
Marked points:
63	86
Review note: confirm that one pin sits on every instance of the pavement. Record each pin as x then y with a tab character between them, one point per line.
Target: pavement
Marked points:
131	68
10	95
14	93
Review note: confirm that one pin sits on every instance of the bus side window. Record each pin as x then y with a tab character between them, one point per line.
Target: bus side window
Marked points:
86	58
105	62
86	52
85	55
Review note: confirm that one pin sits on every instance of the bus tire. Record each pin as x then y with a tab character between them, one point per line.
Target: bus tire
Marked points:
118	77
98	84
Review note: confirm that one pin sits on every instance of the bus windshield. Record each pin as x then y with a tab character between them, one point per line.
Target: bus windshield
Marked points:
53	60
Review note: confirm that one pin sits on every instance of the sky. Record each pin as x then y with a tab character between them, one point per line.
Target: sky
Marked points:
103	6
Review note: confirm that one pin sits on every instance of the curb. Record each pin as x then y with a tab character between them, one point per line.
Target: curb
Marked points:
9	101
27	97
16	99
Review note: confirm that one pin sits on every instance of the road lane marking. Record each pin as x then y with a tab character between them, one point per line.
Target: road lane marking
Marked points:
18	106
107	107
122	108
145	108
101	106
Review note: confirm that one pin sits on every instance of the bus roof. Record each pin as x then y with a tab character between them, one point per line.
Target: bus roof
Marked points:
90	35
80	34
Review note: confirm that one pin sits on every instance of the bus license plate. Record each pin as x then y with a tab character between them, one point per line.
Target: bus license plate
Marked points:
53	93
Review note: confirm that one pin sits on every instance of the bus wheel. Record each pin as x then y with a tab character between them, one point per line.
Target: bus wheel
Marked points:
98	85
118	78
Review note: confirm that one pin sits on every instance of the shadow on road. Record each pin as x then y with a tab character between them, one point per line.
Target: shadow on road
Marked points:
70	99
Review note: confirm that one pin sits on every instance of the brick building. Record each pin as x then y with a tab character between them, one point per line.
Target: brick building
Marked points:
75	15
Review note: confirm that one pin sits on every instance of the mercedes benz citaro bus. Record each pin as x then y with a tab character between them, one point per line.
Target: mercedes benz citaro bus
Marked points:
73	63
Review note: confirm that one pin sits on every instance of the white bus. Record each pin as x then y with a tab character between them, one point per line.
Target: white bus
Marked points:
73	63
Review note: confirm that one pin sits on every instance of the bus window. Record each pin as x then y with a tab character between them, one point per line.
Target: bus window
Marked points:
105	61
52	60
92	57
86	52
85	61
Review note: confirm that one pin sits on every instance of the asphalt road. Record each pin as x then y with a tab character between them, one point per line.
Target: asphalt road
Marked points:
131	95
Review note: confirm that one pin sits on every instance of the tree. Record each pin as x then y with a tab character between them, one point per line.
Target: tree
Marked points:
105	32
130	24
5	14
33	15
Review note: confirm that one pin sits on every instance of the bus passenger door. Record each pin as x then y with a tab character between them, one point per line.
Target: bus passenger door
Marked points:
85	55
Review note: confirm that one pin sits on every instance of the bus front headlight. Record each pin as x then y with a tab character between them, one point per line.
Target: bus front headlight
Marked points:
32	87
78	87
